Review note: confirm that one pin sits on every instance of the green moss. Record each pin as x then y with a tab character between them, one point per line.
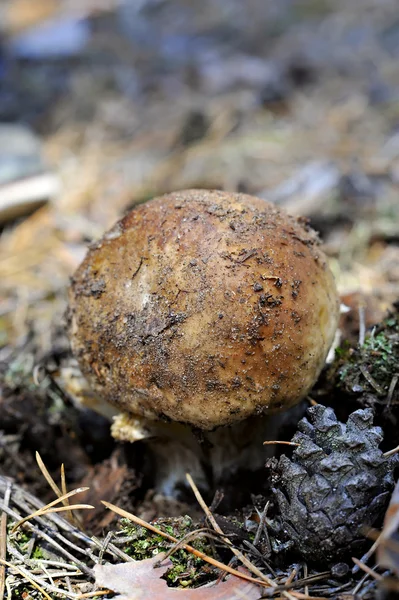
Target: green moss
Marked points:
371	366
342	351
187	569
38	553
22	538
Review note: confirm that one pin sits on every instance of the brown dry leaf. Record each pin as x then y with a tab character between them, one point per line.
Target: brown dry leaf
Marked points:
142	581
104	481
388	543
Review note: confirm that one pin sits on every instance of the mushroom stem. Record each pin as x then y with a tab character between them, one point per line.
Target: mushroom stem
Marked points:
212	458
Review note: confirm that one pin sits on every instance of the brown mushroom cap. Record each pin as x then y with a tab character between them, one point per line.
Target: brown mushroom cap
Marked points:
203	307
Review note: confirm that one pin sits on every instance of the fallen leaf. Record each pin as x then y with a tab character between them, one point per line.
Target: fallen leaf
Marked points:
141	580
104	481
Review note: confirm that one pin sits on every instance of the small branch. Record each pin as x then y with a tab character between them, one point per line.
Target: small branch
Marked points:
311	401
303	582
362	323
22	572
391	390
359	585
367	569
42	511
391	452
261	528
292	576
192	535
306	597
64	492
272	442
52	542
305	574
368	377
94	594
47	476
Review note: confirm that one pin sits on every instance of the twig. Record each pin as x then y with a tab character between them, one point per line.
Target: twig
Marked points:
58	492
64	489
23	572
47	476
3	541
235	551
272	442
305	574
49	575
292	575
53	563
306	597
11	549
57	574
362	323
303	582
171	538
391	452
56	509
261	527
94	594
191	535
104	546
377	536
51	587
21	498
367	569
311	401
380	538
112	550
204	506
261	556
218	497
391	389
359	585
53	543
371	380
47	508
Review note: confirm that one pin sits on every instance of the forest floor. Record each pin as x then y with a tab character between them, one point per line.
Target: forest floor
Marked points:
295	102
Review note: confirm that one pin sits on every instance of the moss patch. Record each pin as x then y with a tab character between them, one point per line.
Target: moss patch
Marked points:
372	366
187	570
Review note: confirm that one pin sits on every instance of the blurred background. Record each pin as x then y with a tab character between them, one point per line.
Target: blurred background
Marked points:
106	103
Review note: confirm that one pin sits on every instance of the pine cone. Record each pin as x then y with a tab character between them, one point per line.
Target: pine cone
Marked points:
336	481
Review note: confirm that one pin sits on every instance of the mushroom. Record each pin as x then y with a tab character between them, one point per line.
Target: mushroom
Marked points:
203	311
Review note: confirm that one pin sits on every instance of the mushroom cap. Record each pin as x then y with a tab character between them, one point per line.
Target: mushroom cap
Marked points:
203	307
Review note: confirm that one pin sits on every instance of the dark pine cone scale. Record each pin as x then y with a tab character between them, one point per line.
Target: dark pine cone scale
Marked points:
337	481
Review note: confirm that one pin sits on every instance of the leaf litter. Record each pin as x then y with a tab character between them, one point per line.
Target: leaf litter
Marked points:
250	137
143	580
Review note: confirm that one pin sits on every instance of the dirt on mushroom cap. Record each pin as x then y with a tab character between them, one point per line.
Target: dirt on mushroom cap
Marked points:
203	307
